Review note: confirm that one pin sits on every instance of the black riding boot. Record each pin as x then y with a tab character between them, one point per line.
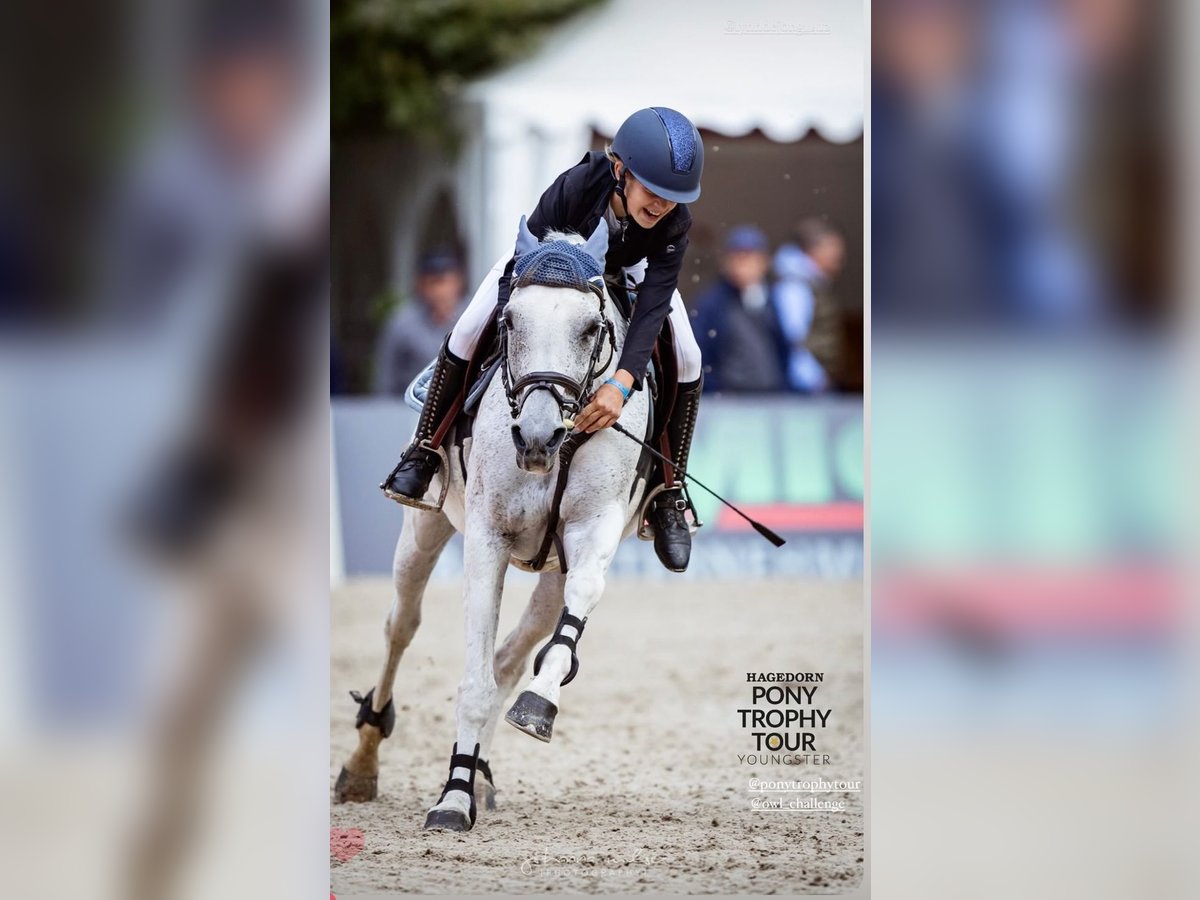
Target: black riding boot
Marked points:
672	538
409	481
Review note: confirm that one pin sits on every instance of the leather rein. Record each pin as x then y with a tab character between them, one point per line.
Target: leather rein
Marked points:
570	401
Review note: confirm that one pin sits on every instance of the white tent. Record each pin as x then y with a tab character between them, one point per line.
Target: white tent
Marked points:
781	66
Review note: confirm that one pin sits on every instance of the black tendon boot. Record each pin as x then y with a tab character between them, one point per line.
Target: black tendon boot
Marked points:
672	538
452	819
409	481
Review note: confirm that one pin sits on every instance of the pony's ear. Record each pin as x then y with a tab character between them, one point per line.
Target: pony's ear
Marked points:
597	244
525	239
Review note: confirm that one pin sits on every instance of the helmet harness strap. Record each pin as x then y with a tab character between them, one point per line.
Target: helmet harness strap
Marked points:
624	220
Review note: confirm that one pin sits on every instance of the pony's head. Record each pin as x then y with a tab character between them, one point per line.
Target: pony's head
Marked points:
556	334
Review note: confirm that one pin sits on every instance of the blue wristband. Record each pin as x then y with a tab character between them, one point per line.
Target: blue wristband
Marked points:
625	392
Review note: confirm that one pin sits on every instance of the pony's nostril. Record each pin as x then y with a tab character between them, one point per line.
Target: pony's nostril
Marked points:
517	438
556	439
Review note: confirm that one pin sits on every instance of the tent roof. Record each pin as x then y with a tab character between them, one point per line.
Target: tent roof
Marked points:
782	66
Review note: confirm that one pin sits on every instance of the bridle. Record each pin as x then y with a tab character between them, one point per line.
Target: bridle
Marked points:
567	392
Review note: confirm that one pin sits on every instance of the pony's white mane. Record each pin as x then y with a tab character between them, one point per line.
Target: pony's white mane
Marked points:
569	236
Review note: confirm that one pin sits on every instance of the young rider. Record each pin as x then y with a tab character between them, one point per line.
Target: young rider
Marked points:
640	186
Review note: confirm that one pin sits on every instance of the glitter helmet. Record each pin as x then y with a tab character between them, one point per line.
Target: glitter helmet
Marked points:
663	150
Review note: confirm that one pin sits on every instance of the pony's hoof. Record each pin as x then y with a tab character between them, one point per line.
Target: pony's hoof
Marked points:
533	715
351	788
447	820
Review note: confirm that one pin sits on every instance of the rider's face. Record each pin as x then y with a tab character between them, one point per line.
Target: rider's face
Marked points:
645	207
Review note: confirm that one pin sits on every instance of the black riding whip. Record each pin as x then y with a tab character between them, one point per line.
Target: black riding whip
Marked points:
758	526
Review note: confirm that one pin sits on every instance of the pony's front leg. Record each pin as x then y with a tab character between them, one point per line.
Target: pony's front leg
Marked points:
590	545
485	558
420	544
511	658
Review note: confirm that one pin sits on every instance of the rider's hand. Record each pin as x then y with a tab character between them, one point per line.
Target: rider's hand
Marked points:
606	405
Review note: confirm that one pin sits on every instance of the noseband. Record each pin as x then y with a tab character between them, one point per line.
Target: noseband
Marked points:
567	392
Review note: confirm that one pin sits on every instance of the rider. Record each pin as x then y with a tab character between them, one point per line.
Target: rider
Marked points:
640	186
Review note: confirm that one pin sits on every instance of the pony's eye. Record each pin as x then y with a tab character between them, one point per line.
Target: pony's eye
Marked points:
507	318
590	330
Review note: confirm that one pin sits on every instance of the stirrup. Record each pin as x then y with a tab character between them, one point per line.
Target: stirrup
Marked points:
559	638
645	532
442	474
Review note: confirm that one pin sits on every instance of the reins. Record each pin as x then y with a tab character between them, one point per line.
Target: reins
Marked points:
570	402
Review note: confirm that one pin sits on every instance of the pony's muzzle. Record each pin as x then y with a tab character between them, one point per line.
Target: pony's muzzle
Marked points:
535	453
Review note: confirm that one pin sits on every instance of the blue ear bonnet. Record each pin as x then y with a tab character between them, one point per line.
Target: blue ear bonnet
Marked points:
558	264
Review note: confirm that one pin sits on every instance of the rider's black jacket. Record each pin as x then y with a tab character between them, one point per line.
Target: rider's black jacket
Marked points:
576	202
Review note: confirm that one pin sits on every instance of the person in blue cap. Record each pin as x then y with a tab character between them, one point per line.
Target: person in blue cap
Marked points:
740	335
640	186
415	331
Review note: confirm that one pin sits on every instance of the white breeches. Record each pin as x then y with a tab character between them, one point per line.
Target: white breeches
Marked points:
479	312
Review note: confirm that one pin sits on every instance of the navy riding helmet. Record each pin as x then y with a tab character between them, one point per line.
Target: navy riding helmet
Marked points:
663	150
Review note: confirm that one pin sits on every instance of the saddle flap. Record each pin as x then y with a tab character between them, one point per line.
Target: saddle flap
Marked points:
481	385
484	361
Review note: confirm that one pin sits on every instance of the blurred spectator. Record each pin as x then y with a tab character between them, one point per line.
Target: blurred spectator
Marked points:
1021	193
735	324
1001	142
804	272
414	333
218	245
1028	142
221	246
197	424
221	172
930	259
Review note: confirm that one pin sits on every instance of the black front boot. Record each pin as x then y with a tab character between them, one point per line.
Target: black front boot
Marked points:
409	481
668	515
